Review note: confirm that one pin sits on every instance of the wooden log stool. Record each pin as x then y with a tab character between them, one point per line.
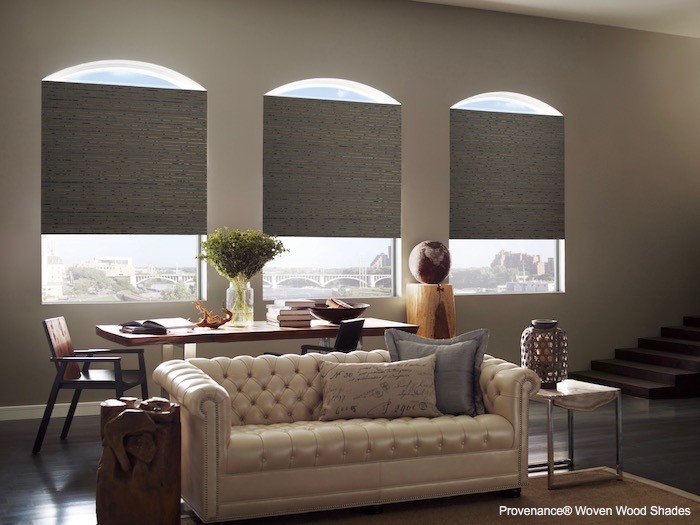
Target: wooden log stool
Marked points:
138	478
432	306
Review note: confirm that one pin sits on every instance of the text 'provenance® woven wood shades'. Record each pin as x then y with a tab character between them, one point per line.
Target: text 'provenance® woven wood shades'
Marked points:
123	160
331	168
506	175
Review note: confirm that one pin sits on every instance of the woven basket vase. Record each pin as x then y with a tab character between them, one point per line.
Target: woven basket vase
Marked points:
543	349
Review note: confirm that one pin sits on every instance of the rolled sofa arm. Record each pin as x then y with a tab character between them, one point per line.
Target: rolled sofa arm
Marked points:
507	388
206	428
193	389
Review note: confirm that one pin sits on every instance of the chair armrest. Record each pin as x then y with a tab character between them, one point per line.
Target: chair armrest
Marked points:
90	359
507	388
109	351
193	389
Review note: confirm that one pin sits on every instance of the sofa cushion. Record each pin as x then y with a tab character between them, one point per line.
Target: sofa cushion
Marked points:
389	390
257	448
457	368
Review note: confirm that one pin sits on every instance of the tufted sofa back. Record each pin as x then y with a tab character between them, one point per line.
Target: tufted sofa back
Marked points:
277	389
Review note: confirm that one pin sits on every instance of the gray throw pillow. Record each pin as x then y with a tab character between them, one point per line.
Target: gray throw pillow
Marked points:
457	368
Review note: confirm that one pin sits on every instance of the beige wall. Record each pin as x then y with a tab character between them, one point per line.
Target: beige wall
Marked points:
631	102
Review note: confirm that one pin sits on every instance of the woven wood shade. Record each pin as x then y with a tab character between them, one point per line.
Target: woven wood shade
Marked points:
507	175
331	169
124	160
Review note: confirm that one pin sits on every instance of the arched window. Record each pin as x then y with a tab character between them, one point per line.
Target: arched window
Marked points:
507	195
123	183
331	189
506	102
332	89
125	73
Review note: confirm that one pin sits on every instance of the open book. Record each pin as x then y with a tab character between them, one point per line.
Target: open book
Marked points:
156	326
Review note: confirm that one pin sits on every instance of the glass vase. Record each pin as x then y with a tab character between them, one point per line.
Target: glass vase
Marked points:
240	300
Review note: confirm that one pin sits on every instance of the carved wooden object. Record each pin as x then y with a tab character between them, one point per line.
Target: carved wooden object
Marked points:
432	307
209	319
138	478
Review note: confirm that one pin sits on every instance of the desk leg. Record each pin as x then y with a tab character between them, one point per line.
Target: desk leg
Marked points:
187	350
550	443
167	353
618	434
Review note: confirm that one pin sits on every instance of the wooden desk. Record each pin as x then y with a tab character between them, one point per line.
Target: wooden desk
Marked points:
185	341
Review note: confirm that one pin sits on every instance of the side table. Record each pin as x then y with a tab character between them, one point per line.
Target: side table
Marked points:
576	395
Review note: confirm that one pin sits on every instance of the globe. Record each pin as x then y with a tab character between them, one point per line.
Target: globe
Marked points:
429	262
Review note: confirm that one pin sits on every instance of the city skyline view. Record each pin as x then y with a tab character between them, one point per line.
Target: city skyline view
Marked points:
107	268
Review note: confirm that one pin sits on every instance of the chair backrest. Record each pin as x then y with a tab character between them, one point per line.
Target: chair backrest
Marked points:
61	345
349	334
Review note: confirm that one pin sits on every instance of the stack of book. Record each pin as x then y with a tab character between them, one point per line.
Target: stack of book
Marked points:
292	313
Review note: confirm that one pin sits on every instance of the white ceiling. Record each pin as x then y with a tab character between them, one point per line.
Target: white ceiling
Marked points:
676	17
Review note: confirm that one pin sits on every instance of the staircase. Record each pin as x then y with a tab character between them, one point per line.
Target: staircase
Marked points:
660	367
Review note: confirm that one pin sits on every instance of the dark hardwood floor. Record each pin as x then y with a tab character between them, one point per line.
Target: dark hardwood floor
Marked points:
57	487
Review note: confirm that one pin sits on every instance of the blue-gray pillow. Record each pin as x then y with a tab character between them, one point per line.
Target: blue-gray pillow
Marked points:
457	369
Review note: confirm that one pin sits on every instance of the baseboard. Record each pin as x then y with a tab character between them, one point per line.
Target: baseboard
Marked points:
9	413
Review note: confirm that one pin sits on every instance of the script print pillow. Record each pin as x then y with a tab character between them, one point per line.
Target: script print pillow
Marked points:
379	390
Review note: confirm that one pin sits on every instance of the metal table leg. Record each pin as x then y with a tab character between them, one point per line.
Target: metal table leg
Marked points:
550	443
618	435
570	429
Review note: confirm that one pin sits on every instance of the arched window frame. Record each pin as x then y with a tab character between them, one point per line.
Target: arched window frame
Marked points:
505	253
326	92
79	249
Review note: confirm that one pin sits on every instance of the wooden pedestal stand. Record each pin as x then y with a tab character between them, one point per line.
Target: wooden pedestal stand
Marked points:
432	306
138	479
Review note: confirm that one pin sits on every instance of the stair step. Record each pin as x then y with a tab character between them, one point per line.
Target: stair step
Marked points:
691	320
659	357
681	332
683	380
629	385
681	346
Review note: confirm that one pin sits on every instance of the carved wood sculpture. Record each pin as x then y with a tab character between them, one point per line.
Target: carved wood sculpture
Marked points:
138	478
432	306
209	319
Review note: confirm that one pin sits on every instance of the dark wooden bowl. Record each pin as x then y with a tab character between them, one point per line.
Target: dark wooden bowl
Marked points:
335	315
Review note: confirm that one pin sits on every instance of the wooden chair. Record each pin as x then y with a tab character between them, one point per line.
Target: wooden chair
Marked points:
349	335
70	376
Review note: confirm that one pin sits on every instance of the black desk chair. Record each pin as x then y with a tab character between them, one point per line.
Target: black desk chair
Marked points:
70	375
349	335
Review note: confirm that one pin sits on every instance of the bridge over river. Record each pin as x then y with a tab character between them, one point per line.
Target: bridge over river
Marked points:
274	280
363	280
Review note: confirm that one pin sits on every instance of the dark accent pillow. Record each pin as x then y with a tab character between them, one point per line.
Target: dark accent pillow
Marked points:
457	368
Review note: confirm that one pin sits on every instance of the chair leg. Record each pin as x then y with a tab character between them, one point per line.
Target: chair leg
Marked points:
71	411
47	414
144	389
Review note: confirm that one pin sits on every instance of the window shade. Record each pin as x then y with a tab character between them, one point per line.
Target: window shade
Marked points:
121	159
507	175
331	168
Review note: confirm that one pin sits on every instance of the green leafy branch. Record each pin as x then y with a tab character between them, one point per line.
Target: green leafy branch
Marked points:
239	254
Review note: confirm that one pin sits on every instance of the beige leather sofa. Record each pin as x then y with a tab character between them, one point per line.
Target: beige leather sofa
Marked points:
252	444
